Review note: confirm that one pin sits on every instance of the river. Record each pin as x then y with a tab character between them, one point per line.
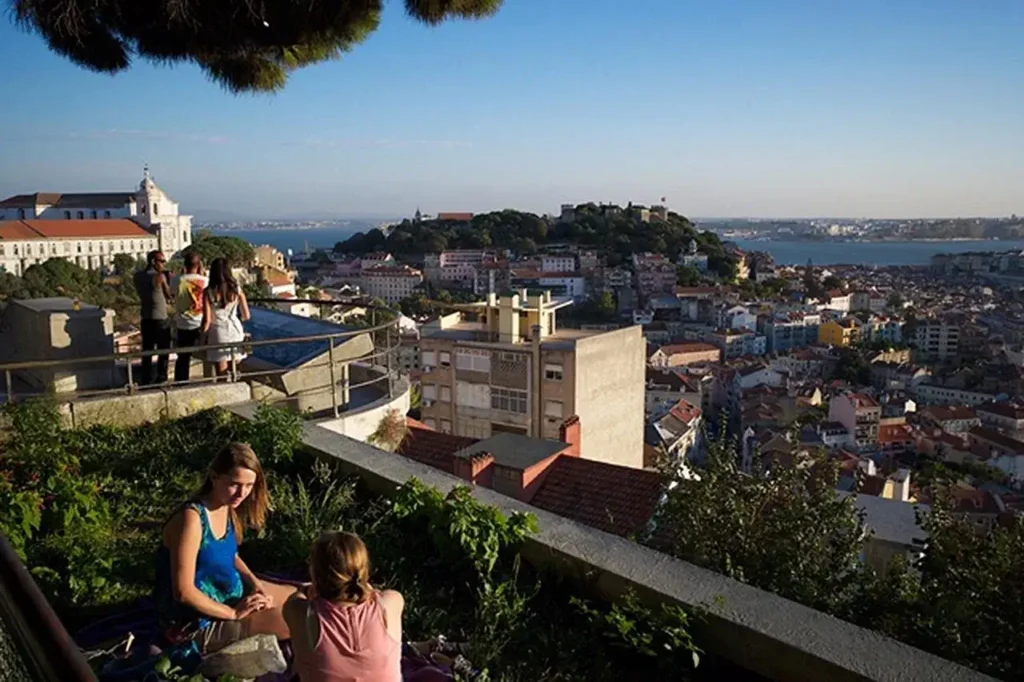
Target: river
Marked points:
869	253
784	252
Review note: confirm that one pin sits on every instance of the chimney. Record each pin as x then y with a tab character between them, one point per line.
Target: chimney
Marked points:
476	468
569	432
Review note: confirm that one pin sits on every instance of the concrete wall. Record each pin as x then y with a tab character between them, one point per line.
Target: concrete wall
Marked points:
610	383
360	423
151	405
764	633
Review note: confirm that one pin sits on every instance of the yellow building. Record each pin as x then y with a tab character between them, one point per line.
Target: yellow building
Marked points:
840	333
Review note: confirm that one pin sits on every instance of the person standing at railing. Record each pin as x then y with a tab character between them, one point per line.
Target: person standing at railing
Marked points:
189	307
154	296
226	310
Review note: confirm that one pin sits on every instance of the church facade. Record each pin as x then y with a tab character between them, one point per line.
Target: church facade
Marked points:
90	229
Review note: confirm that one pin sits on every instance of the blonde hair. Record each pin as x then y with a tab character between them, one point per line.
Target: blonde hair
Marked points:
252	513
340	567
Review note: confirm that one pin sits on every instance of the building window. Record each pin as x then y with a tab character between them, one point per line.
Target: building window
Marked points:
155	211
429	359
429	391
446	394
21	214
106	214
553	372
67	215
430	422
473	360
508	399
446	426
446	359
79	247
553	408
80	215
93	215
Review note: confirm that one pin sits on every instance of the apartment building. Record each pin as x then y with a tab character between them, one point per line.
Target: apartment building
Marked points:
459	266
391	283
937	339
786	331
860	414
737	344
503	365
268	256
559	262
655	274
840	333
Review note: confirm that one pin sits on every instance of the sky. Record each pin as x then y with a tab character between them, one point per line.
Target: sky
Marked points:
770	108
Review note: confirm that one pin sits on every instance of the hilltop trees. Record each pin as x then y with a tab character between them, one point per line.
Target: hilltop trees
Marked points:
617	233
242	45
210	246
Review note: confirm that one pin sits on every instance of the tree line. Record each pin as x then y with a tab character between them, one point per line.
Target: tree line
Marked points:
614	232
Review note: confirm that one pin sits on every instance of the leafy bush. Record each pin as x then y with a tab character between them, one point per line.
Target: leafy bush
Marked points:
85	507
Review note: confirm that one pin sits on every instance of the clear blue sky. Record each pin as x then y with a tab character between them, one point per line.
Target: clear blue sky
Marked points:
728	108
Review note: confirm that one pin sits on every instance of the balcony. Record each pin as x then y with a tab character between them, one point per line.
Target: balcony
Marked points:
571	576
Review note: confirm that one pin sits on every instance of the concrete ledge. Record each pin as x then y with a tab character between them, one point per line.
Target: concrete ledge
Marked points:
151	405
757	630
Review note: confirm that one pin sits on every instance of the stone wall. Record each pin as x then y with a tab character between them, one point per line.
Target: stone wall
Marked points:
762	632
151	405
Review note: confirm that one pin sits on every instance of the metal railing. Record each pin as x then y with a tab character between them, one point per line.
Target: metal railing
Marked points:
40	641
382	356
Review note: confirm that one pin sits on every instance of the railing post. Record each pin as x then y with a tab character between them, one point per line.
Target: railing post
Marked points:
234	366
387	342
10	385
131	379
334	380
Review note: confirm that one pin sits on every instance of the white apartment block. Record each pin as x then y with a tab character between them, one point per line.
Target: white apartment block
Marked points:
937	339
391	283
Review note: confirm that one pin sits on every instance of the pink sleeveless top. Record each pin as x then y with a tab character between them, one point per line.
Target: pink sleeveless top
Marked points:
354	645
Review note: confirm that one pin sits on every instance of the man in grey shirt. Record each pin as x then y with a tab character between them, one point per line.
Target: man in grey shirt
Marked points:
154	295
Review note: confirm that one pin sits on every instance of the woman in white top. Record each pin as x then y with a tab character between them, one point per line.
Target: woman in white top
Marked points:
225	308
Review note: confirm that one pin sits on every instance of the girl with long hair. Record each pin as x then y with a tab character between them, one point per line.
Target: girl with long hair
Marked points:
205	593
225	309
342	627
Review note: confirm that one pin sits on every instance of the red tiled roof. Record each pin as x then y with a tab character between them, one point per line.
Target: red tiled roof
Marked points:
1008	410
455	216
276	278
953	413
693	347
71	229
894	433
609	497
430	447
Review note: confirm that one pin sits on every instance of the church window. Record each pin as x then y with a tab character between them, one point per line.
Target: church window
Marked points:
79	247
80	215
143	208
155	211
67	215
106	214
94	214
21	214
184	237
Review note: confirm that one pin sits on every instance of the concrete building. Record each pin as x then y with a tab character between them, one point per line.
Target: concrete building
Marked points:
62	223
1006	416
937	339
559	262
512	370
737	344
58	329
786	331
459	266
839	333
655	274
268	256
934	394
860	414
951	419
389	283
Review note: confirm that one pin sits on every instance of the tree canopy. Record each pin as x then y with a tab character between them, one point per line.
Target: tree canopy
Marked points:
210	246
244	46
617	233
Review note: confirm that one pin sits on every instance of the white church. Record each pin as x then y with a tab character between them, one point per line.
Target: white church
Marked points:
90	229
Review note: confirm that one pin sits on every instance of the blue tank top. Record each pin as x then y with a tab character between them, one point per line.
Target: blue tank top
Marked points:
216	575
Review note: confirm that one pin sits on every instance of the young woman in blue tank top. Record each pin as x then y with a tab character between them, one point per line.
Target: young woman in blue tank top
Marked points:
205	593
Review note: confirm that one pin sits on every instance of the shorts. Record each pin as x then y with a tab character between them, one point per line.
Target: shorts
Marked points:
218	634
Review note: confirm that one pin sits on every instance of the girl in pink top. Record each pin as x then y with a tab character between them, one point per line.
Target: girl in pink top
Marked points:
344	630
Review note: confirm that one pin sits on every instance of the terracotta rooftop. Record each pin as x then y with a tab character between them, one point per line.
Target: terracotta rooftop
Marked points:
1008	410
464	217
895	433
612	498
71	229
430	447
953	413
89	200
693	347
1003	441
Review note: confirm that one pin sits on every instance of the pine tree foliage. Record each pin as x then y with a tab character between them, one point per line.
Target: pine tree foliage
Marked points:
244	45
